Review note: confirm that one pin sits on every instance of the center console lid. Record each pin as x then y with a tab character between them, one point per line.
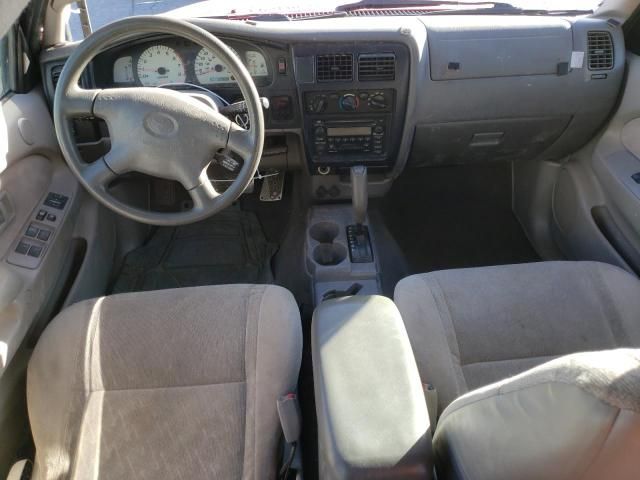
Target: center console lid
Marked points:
372	415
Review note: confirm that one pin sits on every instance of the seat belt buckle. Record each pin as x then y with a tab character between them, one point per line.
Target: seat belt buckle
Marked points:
431	398
290	417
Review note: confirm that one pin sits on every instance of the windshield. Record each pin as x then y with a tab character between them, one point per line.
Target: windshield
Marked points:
102	12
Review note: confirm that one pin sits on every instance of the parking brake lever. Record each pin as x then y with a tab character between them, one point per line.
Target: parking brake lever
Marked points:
238	108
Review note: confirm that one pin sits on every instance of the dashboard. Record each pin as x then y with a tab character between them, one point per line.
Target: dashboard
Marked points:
392	91
165	61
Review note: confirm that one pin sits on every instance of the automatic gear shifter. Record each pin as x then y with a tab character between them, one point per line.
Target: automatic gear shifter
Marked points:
360	249
359	193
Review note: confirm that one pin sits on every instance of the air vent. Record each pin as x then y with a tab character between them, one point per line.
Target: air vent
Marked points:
600	51
334	67
56	70
389	12
376	66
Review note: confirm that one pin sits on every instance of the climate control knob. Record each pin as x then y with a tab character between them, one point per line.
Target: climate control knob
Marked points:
349	102
378	101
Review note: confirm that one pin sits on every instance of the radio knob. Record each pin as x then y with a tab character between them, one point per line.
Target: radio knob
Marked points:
349	102
319	132
378	129
378	102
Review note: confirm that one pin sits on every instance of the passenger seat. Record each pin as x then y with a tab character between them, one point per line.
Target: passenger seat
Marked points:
551	414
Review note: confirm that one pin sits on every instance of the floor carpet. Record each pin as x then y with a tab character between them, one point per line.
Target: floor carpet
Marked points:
229	247
455	217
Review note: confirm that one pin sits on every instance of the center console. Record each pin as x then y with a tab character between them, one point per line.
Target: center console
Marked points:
371	409
353	100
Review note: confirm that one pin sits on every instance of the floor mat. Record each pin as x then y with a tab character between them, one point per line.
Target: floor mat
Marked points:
229	247
455	217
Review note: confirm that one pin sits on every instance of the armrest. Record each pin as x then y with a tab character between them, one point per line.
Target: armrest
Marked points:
372	415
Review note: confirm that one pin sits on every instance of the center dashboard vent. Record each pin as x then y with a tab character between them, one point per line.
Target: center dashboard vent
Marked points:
600	51
376	66
334	67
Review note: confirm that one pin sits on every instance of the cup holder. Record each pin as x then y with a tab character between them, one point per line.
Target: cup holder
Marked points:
329	254
324	232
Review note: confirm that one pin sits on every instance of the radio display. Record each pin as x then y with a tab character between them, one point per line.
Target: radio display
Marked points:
347	131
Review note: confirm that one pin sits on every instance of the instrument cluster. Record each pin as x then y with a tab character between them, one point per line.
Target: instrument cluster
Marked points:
179	61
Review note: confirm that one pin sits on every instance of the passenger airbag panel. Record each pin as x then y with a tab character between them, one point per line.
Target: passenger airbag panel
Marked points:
457	53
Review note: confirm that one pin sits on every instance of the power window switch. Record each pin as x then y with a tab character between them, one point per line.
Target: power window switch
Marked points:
51	217
22	248
35	251
41	215
32	231
44	235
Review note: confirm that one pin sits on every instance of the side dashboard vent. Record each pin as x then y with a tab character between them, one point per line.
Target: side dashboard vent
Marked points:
600	51
334	67
377	66
55	72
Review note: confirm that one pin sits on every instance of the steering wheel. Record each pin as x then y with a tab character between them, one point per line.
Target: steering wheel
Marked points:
157	131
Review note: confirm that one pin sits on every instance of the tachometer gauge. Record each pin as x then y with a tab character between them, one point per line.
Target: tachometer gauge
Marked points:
159	65
210	69
256	64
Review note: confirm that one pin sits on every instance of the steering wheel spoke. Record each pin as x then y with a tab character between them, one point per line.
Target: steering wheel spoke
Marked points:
79	101
118	159
204	193
241	141
98	174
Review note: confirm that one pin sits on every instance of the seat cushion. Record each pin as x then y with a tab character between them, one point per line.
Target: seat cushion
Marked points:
168	384
472	327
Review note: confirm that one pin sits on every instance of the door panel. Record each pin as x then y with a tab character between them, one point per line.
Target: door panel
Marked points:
596	199
30	166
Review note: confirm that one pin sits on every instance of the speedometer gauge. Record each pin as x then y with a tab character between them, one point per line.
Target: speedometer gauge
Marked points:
256	64
159	65
210	69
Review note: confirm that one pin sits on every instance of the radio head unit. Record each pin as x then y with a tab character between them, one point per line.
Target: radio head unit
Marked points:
355	137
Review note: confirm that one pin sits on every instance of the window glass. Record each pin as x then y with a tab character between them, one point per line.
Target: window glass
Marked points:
102	12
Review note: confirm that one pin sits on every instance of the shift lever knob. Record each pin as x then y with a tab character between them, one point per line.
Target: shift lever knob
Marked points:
359	193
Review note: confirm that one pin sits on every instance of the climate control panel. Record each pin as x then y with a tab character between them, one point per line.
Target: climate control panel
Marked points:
349	101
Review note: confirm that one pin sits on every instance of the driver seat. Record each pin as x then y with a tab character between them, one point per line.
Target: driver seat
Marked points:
176	383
